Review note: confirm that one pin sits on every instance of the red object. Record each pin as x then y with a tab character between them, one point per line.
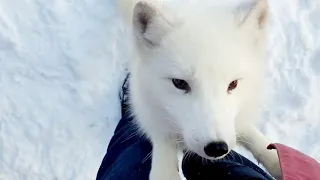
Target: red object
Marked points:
296	165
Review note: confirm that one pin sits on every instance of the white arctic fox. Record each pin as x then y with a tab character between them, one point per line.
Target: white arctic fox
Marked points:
197	80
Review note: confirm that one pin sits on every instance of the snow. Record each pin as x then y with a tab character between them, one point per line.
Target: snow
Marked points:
62	63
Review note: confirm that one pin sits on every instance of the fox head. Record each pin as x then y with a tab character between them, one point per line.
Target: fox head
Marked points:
198	73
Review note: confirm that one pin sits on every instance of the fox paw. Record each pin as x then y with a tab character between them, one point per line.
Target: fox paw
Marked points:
272	164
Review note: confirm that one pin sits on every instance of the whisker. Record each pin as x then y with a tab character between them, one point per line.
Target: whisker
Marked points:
147	157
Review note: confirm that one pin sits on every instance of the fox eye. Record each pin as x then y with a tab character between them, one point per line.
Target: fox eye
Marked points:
181	84
233	85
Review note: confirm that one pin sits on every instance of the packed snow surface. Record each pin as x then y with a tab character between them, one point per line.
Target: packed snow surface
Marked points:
62	63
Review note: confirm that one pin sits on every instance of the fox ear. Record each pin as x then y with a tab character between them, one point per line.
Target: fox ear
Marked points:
253	14
149	25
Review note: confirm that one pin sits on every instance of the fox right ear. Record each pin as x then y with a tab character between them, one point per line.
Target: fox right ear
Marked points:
149	25
255	14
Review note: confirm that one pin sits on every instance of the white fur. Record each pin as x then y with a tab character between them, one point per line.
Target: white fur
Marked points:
209	47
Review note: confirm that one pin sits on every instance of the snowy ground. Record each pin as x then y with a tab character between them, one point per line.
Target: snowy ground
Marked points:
62	62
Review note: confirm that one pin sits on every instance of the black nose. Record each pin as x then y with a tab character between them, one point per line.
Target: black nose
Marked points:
216	149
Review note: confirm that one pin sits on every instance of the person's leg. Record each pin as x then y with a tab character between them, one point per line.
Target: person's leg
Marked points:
128	154
232	167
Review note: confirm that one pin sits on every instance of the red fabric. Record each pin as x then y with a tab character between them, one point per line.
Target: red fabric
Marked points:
296	165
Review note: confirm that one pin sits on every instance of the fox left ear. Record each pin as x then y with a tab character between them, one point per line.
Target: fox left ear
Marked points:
150	24
253	14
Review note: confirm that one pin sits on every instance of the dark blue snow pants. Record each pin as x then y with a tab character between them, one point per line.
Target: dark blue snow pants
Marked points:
129	158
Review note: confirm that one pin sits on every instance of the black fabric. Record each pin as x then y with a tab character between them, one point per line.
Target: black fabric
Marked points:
232	167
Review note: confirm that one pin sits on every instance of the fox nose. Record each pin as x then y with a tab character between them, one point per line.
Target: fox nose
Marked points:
216	149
